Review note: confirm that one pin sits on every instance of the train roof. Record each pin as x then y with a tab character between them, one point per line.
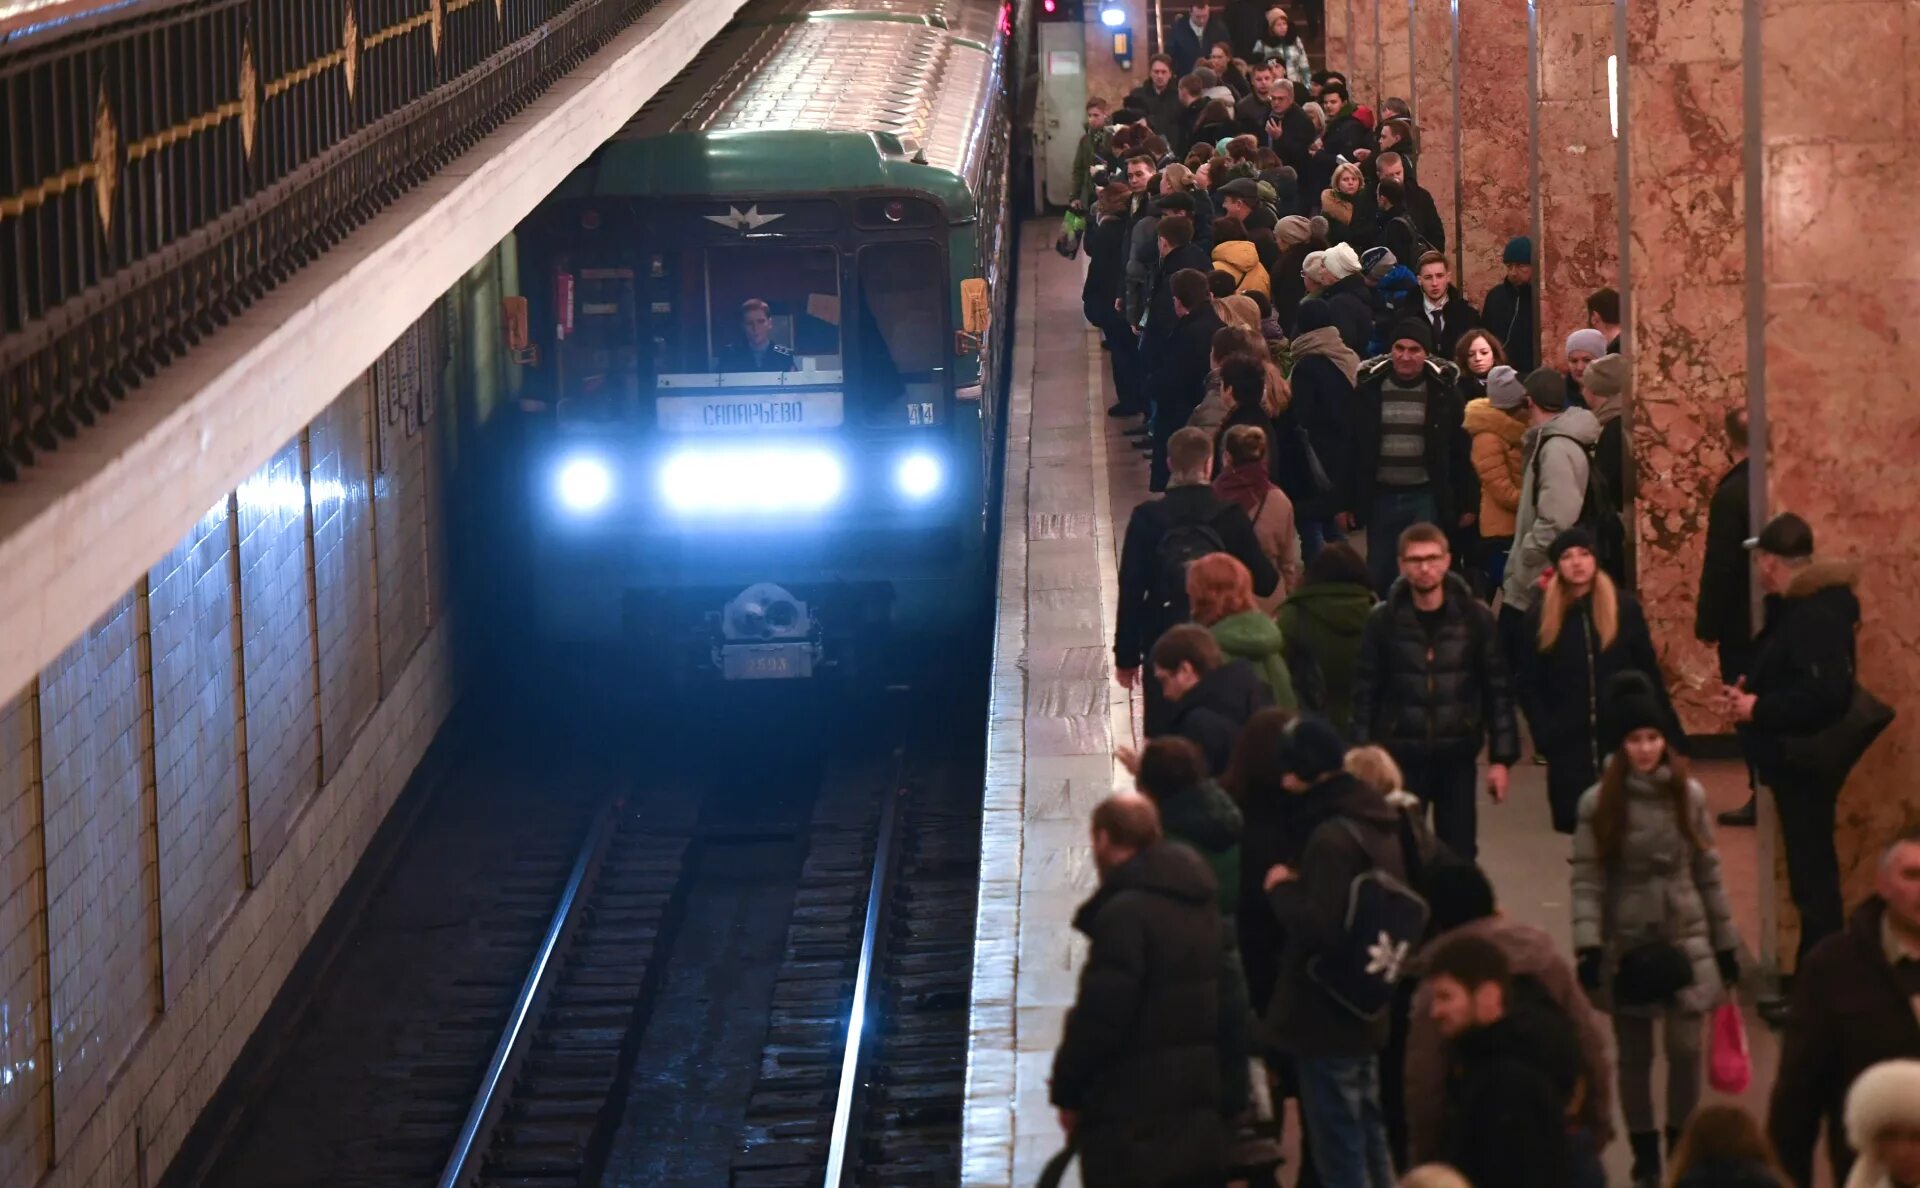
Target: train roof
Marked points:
799	95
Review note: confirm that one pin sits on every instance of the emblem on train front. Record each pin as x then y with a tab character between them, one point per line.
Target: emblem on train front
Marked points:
749	220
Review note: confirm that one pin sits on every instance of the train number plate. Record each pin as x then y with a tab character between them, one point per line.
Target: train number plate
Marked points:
724	414
767	662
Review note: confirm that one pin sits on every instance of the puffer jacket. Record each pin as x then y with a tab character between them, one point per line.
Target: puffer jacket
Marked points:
1139	1055
1239	259
1553	505
1438	696
1253	637
1206	819
1531	953
1561	687
1212	713
1659	889
1497	460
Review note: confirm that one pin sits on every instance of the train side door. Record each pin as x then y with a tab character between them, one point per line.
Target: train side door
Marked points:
1061	112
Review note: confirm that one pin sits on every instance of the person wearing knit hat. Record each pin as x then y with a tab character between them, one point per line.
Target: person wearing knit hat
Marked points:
1341	261
1376	262
1415	331
1348	294
1293	229
1883	1124
1496	424
1645	865
1311	749
1508	308
1583	347
1313	271
1582	633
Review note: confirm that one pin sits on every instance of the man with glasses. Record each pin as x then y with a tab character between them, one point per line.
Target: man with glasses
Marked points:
1430	685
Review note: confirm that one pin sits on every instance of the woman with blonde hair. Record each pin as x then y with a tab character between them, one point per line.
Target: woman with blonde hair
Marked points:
1220	593
1344	203
1652	931
1584	631
1724	1147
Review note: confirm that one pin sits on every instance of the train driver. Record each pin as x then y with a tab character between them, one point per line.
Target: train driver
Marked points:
756	351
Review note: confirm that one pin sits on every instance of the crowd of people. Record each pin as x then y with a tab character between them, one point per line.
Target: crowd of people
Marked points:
1386	554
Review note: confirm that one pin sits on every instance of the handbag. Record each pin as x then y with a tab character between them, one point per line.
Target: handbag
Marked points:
1651	974
1729	1065
1839	745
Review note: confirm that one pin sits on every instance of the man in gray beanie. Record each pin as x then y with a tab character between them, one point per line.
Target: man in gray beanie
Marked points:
1557	454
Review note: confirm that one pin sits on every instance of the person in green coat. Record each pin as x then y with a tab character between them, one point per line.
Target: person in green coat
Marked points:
1194	811
1322	623
1220	595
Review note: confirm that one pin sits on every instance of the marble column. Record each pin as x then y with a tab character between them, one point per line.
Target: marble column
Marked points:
1363	57
1842	391
1687	268
1396	49
1338	54
1433	101
1577	243
1495	171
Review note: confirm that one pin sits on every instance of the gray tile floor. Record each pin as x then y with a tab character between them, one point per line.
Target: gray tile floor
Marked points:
1057	715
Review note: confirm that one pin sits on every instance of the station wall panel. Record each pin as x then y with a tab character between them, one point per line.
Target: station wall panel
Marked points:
102	935
196	741
278	651
400	500
25	1138
341	449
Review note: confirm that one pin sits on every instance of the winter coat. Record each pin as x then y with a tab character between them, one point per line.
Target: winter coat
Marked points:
1549	503
1344	134
1659	889
1163	109
1215	710
1187	47
1425	214
1326	621
1609	451
1725	609
1181	365
1292	53
1241	260
1106	244
1439	695
1560	688
1496	439
1509	1087
1849	1014
1311	912
1161	317
1138	1059
1253	637
1349	220
1508	312
1394	230
1457	316
1138	622
1251	487
1352	308
1803	660
1294	147
1142	262
1447	460
1534	955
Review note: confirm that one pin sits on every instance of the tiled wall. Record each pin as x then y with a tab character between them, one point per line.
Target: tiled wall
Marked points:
183	793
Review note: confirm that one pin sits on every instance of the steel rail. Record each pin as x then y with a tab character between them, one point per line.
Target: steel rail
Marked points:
462	1163
845	1134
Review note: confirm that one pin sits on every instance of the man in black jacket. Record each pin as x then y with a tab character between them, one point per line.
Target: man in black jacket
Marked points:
1209	697
1148	607
1724	616
1290	131
1430	684
1159	97
1508	309
1409	458
1515	1072
1420	206
1136	1077
1801	681
1178	382
1193	35
1856	1003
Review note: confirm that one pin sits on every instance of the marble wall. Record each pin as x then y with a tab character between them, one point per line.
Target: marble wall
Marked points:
1432	100
1843	360
1338	38
1396	49
1363	77
1495	162
1577	242
1687	270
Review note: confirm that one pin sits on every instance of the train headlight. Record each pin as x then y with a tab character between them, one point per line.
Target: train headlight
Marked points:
584	484
752	480
918	475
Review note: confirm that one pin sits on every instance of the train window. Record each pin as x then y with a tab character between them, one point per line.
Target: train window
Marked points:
902	333
767	308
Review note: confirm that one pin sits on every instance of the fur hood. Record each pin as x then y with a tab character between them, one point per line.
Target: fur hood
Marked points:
1886	1094
1821	574
1482	417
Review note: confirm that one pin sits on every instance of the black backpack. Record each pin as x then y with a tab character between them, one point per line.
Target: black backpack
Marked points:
1183	543
1421	244
1599	514
1385	923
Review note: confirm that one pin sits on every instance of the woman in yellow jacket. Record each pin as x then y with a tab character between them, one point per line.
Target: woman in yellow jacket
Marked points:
1497	423
1235	255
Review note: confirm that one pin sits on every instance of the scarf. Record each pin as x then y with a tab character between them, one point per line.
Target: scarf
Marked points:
1326	343
1246	484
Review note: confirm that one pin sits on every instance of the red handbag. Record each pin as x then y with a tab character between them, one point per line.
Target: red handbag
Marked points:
1729	1065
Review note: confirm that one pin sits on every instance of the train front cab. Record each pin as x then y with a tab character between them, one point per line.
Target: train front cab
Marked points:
756	429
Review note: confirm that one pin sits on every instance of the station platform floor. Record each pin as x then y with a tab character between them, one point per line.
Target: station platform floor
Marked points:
1072	478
